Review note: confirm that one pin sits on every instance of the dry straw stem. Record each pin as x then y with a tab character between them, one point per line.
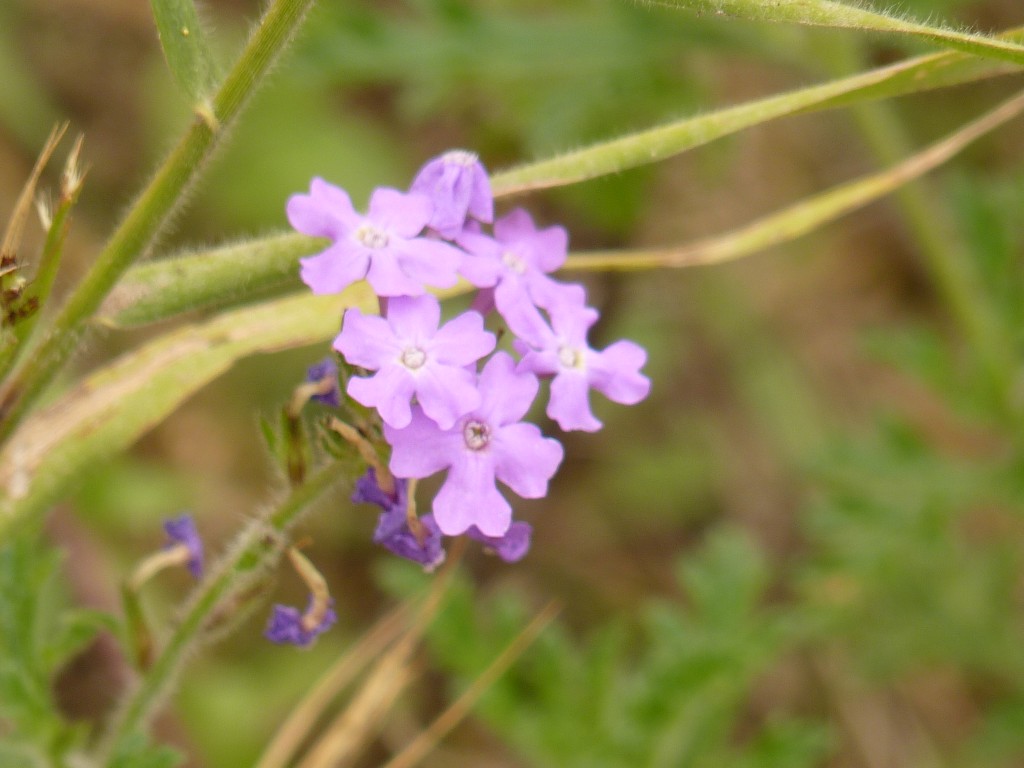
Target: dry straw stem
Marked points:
805	216
426	740
303	718
354	725
16	224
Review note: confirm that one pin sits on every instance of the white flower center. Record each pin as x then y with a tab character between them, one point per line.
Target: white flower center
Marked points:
371	237
476	434
569	357
460	157
413	358
513	262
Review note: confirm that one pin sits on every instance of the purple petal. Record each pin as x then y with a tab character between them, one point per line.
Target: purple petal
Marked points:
414	318
506	395
394	534
469	497
325	370
335	269
285	626
525	460
615	373
182	530
367	491
570	402
366	340
387	276
430	261
325	212
422	448
400	213
512	547
445	393
389	391
463	340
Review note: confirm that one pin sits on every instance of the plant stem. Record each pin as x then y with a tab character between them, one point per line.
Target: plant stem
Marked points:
948	263
256	548
45	352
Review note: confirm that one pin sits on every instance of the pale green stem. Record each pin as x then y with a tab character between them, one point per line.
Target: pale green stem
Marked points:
45	352
929	222
257	547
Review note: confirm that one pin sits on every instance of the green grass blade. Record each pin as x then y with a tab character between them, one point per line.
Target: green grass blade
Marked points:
823	13
184	44
655	144
807	215
115	405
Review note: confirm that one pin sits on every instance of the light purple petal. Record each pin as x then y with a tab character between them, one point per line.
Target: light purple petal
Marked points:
570	402
325	212
387	277
517	224
399	213
462	340
389	391
335	269
469	497
422	448
550	248
525	460
615	373
430	261
366	340
446	392
414	318
511	547
506	395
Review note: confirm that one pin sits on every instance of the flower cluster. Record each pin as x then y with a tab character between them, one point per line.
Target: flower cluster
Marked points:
445	405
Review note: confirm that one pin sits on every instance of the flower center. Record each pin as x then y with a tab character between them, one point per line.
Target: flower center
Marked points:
569	357
460	157
413	358
513	262
476	434
371	237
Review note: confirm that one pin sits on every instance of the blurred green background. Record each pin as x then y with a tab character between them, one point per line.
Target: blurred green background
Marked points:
804	548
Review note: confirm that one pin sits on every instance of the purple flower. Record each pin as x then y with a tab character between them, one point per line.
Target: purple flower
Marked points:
511	547
457	184
516	262
413	357
488	444
181	531
562	351
383	246
327	370
367	491
288	626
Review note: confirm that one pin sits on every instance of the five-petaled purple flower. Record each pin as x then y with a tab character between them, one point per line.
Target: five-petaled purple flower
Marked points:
384	246
181	532
490	443
288	626
413	357
561	350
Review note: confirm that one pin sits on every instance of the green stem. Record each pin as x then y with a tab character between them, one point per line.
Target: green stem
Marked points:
257	547
946	259
46	352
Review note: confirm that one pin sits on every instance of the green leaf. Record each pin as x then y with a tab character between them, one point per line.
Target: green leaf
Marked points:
120	402
188	55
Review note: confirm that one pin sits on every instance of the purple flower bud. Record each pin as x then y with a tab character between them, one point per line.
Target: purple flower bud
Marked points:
511	547
325	369
286	626
457	184
393	533
182	531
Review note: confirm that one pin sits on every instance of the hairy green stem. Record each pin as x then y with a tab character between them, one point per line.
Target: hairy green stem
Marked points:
45	352
255	550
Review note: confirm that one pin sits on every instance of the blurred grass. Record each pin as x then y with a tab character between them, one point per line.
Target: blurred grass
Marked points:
817	426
